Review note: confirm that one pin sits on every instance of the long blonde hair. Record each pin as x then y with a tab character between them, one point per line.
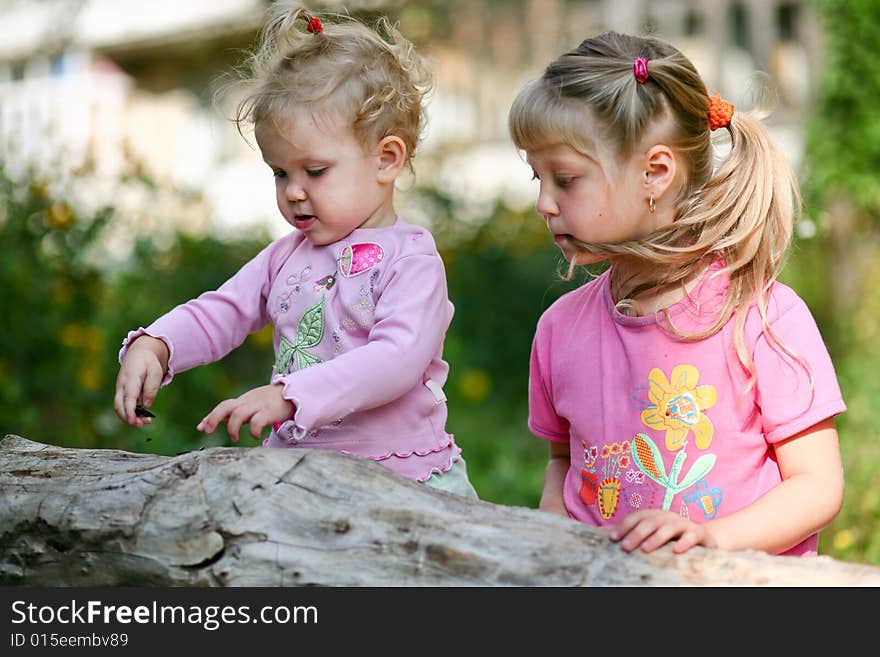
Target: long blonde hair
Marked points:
742	212
373	77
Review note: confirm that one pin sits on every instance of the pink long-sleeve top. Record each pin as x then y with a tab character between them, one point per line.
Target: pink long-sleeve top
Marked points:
359	327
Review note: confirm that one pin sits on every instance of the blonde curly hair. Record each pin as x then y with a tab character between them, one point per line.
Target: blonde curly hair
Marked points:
371	77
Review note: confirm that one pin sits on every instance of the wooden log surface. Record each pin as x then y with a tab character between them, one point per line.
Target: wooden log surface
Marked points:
228	516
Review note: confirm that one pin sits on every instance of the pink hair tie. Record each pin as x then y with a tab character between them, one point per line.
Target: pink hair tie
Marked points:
640	69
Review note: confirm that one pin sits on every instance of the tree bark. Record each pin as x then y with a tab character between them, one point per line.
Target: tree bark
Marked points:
272	517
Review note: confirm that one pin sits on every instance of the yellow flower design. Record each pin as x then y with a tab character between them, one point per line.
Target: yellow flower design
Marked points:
678	405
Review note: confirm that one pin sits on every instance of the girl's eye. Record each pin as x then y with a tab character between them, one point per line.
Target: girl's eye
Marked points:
535	175
278	174
563	181
314	173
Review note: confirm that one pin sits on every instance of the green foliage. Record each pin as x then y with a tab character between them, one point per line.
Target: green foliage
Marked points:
843	138
842	194
62	320
49	342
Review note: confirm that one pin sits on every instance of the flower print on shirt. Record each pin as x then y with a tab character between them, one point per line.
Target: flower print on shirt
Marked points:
677	406
708	499
648	459
614	458
589	480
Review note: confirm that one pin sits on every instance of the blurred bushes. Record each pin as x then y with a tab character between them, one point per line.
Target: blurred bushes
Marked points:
63	317
839	268
51	345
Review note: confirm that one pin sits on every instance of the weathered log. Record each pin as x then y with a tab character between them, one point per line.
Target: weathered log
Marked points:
257	517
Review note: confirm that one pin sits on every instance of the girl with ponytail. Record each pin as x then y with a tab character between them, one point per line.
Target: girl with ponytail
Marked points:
686	394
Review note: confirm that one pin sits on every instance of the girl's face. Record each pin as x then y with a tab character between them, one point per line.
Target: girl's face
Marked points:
592	198
326	185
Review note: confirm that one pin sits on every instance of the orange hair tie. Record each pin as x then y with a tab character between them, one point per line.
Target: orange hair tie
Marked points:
720	111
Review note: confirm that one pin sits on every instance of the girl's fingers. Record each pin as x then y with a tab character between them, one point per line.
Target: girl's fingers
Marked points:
685	542
210	421
256	425
239	416
118	406
152	382
661	535
225	410
132	388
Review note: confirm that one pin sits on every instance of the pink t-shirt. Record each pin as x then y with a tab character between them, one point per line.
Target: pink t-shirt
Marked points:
359	327
656	422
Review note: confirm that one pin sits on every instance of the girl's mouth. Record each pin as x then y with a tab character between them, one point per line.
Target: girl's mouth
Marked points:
303	221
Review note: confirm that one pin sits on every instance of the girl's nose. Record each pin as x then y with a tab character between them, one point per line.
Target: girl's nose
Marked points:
545	204
295	192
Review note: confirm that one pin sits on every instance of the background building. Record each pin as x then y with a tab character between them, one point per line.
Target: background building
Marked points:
110	89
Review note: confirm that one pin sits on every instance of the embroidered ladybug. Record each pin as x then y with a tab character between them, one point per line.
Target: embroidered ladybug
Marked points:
358	258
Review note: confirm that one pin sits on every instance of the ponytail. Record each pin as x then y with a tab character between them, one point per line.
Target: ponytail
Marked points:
752	202
741	213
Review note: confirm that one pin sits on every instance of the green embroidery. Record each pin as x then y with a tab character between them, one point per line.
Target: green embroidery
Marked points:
650	461
309	333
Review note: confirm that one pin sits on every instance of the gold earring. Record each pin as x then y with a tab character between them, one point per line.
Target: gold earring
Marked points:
651	204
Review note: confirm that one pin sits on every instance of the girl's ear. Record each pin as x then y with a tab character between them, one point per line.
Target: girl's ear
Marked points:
391	153
659	168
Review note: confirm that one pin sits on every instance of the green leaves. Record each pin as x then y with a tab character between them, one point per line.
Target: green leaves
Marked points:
309	333
648	458
843	135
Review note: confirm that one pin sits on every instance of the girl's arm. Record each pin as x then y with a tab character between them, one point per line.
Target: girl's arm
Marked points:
807	500
205	329
554	479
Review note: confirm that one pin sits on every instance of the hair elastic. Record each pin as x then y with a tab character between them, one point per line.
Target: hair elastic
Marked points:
720	111
314	24
640	69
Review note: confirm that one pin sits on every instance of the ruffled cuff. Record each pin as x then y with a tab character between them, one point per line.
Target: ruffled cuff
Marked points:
133	335
288	433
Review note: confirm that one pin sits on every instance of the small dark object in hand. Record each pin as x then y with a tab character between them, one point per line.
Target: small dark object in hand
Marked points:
140	411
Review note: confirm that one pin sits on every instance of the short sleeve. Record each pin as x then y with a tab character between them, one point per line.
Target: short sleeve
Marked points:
543	420
790	399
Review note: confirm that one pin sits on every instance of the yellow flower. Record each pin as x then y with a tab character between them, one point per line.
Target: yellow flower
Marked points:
844	539
475	384
678	405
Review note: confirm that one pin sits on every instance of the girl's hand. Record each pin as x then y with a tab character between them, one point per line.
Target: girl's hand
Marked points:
260	407
140	375
653	528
